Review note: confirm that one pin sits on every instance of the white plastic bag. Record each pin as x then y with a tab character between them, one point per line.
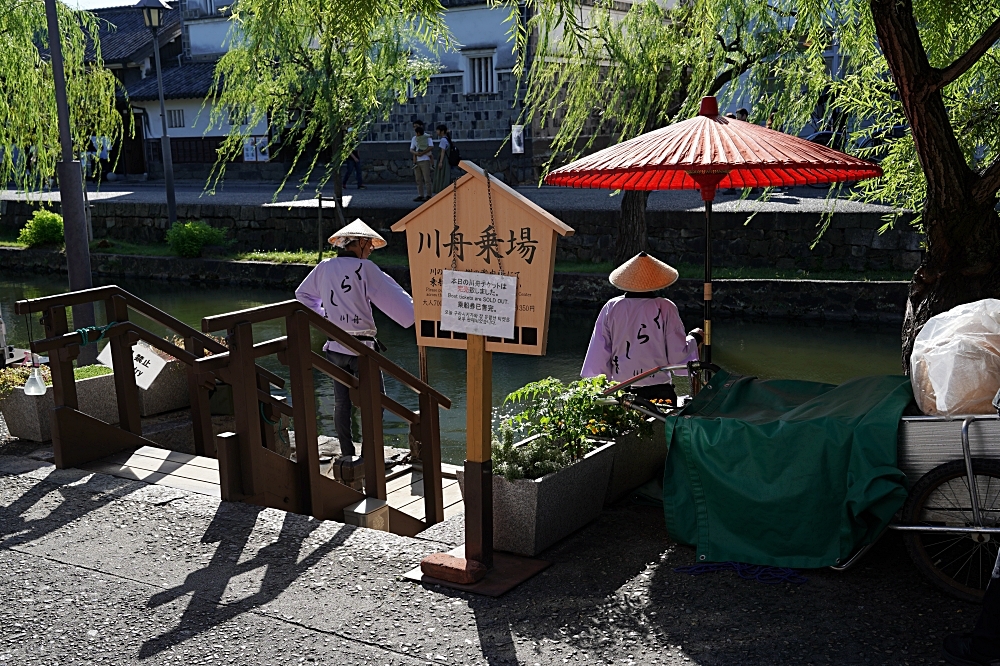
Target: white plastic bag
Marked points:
955	365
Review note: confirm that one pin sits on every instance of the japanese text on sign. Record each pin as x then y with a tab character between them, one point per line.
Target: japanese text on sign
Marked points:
146	363
489	244
478	303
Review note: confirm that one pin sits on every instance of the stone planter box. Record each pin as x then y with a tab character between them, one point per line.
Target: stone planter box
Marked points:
529	515
168	393
28	417
637	460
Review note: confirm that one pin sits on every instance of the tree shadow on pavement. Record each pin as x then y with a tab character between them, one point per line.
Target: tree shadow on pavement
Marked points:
559	604
16	528
880	611
231	529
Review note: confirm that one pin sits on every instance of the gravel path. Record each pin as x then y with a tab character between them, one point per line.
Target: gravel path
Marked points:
99	570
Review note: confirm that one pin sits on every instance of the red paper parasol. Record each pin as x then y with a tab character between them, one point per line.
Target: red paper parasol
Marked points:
707	152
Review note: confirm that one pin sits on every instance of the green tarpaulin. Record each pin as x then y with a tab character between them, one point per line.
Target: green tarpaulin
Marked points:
782	472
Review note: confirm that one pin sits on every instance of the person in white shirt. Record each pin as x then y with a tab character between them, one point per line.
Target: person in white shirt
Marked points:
342	289
420	148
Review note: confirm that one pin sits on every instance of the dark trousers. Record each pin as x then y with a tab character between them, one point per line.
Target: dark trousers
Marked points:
345	171
342	401
986	635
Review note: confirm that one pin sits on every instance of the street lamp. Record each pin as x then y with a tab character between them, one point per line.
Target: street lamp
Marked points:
152	15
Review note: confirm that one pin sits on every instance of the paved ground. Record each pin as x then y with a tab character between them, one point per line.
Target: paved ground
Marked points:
99	570
800	199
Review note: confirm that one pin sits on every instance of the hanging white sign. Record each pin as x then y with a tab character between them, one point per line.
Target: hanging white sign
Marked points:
478	303
146	363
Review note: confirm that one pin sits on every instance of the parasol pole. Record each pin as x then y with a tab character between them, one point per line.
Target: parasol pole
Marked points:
707	182
707	328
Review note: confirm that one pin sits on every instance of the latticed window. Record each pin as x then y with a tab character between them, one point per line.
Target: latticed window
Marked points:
175	117
480	77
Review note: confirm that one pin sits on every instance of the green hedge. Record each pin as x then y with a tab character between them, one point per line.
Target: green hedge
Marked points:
188	238
44	228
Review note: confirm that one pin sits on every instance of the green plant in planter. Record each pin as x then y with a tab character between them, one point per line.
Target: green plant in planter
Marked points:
44	228
187	239
567	418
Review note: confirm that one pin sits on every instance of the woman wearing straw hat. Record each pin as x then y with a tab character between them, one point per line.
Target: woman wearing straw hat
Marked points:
342	289
638	331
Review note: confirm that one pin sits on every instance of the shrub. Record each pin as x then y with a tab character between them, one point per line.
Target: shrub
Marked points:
567	418
188	238
44	228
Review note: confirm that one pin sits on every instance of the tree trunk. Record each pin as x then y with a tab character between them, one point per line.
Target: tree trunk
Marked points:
338	195
632	228
962	261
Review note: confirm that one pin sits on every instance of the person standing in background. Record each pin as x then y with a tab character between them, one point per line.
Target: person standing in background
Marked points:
420	148
442	170
353	162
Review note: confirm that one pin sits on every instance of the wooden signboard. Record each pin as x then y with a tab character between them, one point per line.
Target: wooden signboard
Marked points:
453	231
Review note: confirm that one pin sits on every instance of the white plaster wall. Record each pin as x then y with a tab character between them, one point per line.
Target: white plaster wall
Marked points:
209	37
195	120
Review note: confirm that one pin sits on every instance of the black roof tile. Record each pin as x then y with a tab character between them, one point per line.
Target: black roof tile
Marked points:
189	81
124	36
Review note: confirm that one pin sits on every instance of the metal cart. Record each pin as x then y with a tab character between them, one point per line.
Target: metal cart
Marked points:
951	519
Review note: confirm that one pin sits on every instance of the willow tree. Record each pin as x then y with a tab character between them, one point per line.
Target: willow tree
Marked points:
319	72
596	70
932	65
29	136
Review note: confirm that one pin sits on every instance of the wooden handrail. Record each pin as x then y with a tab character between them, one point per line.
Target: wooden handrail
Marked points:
72	298
286	308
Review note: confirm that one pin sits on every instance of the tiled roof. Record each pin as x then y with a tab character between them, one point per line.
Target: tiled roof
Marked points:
125	38
192	80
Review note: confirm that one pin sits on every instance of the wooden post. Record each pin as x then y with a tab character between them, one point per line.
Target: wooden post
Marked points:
430	456
304	407
61	360
201	412
478	456
121	357
422	363
246	406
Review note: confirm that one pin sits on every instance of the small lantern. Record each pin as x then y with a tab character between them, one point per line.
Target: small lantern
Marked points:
152	12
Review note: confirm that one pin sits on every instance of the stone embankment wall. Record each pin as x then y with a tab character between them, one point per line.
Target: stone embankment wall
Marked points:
808	300
778	240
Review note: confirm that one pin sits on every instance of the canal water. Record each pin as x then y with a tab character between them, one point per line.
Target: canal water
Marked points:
828	352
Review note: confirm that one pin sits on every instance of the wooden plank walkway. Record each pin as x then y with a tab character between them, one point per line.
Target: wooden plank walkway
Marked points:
404	487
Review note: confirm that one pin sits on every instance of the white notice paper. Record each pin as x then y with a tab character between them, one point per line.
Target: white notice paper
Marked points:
478	303
146	363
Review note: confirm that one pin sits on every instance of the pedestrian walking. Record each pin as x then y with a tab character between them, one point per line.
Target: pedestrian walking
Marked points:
420	148
353	162
343	289
442	169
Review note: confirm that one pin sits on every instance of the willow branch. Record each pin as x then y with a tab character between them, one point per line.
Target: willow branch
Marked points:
943	77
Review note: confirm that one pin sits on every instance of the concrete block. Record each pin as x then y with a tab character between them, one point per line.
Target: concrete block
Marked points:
638	458
370	512
168	392
29	417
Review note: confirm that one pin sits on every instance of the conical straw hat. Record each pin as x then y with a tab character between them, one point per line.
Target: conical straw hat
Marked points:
356	230
643	273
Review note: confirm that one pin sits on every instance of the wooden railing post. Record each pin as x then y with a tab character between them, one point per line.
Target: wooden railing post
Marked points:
372	440
430	455
300	374
201	412
121	357
246	407
61	360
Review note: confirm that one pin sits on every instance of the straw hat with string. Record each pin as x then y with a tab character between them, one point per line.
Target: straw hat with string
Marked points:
356	230
643	273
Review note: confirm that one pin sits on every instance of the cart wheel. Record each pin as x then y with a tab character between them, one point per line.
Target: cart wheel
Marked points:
960	564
